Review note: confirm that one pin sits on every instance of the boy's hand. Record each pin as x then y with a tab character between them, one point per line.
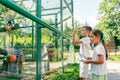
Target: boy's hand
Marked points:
89	58
75	36
75	31
87	61
8	28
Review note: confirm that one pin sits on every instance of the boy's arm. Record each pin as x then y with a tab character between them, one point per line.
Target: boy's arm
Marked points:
75	38
89	58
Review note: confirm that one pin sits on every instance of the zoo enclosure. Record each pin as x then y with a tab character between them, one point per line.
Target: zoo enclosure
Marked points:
63	4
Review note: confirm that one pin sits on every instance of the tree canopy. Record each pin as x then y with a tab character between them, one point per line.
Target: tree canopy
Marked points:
109	16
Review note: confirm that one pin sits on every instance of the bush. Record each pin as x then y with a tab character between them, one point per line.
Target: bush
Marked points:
71	73
67	76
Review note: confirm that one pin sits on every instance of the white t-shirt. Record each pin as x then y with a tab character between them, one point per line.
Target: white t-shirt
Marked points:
84	47
99	69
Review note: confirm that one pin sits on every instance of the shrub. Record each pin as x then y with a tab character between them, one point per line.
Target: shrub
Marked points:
71	73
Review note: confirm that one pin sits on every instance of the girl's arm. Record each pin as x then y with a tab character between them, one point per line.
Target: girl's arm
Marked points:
99	61
89	58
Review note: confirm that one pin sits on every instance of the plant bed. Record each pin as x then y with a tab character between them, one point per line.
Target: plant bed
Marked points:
71	73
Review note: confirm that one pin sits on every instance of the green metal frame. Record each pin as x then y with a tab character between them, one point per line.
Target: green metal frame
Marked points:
38	42
15	7
10	4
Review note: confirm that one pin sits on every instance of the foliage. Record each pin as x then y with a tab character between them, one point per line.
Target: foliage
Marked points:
22	39
68	30
114	58
71	73
47	37
110	18
67	42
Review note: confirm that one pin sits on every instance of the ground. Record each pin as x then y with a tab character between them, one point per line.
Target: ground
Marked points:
113	69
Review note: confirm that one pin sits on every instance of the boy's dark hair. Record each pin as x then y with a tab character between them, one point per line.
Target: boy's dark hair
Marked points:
87	28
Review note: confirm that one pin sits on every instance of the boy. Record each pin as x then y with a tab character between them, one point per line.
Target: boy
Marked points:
84	49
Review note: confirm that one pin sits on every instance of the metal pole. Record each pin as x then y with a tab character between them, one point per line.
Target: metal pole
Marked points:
72	13
38	43
33	56
56	38
72	10
61	14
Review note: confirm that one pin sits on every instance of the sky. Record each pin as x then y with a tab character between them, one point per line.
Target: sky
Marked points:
86	10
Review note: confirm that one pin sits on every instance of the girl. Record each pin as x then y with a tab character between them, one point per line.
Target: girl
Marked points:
100	55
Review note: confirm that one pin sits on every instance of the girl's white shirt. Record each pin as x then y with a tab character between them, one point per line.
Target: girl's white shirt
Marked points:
99	69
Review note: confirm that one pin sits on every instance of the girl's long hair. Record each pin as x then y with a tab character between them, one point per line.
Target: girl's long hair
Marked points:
97	32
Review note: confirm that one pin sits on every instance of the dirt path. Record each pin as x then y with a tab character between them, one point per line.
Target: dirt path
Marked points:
113	69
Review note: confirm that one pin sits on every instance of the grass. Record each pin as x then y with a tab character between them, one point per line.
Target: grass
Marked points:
115	58
71	73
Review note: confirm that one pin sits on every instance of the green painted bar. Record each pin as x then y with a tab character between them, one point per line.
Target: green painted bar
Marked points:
62	41
10	4
56	37
72	10
33	56
38	42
